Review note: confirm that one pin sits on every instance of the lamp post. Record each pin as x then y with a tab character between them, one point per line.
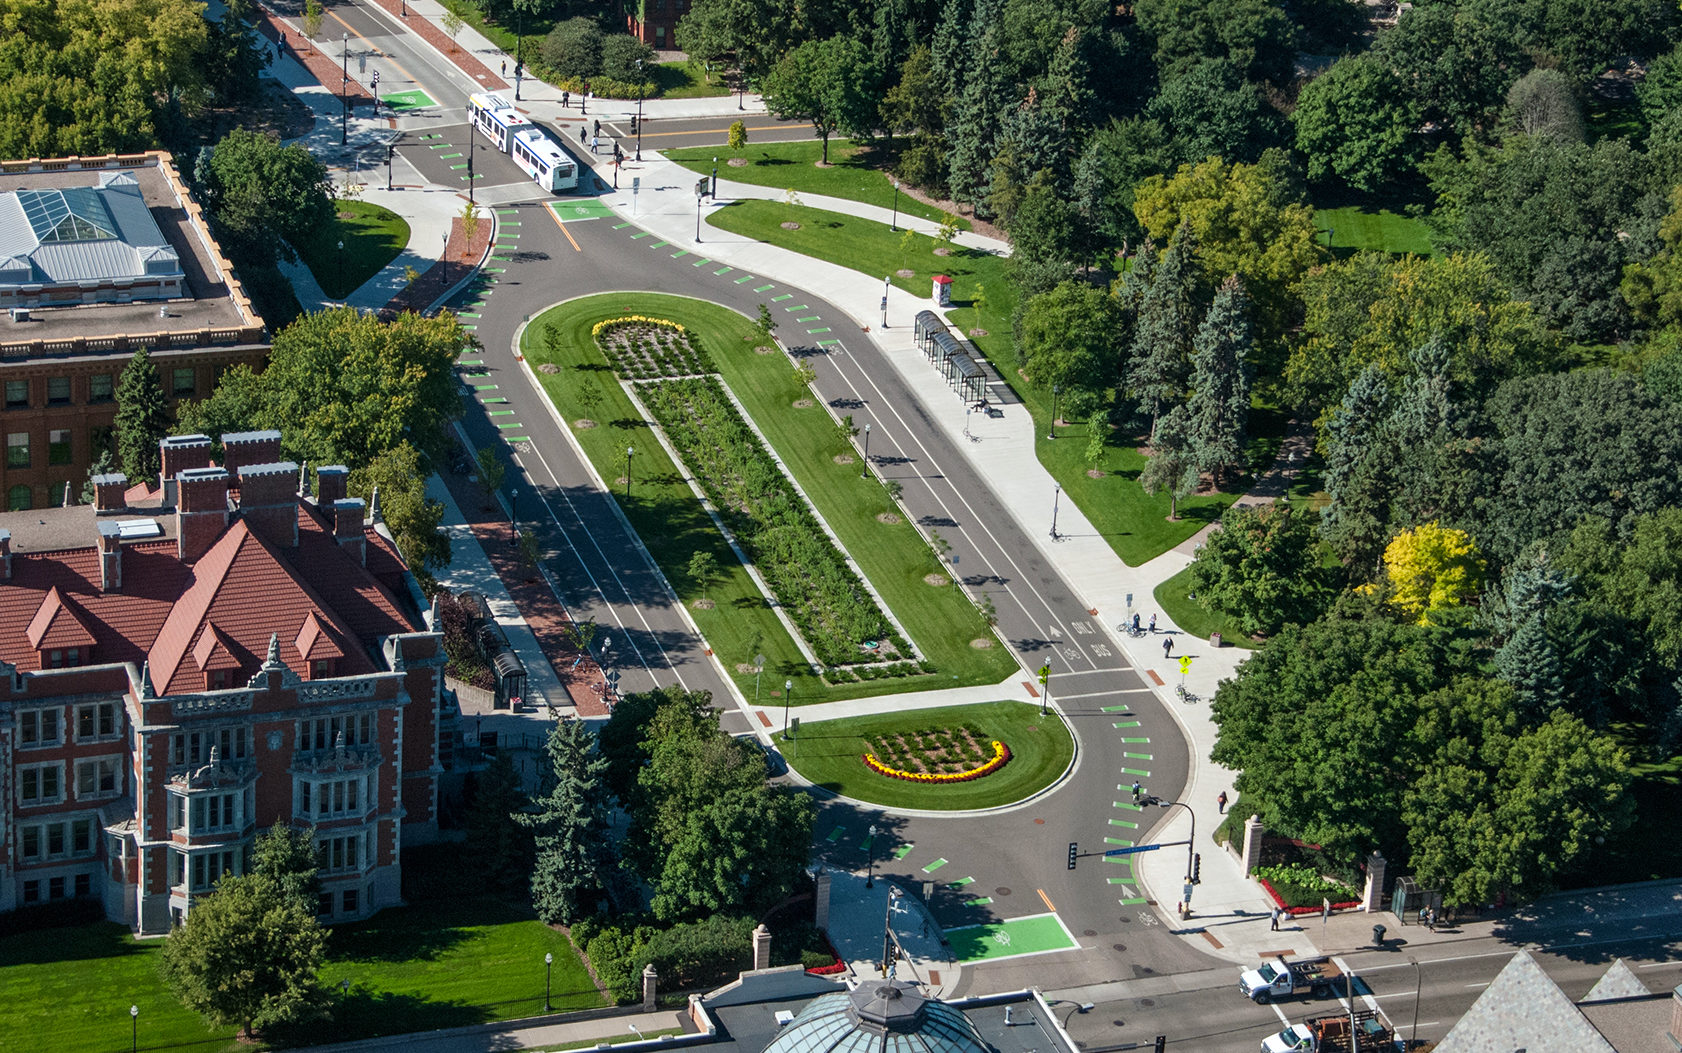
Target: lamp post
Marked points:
888	930
887	282
894	226
513	515
715	179
741	87
700	188
865	472
870	858
405	8
638	1032
134	1028
339	267
1056	389
1056	492
758	669
344	89
630	451
519	49
389	151
1191	845
548	970
1082	1008
1413	1033
788	689
639	109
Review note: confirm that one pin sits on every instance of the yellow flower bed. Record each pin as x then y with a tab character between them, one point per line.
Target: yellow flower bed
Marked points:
633	319
1001	755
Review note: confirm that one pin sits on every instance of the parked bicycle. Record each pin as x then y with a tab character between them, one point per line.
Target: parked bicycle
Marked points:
1184	695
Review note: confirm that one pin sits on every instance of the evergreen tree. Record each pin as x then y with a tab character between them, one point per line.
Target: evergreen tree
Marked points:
1167	320
1358	477
1171	466
988	92
569	827
949	55
499	846
142	418
1071	94
1219	410
103	464
287	856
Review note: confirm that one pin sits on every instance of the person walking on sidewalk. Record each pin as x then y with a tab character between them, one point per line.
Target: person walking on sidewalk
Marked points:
1221	801
505	67
1273	919
1153	623
566	99
1168	647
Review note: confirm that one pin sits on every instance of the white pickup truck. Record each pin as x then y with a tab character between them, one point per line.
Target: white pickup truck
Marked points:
1282	979
1330	1034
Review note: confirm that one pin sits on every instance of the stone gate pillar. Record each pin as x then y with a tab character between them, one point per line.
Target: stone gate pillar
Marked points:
1253	831
1372	898
761	948
650	983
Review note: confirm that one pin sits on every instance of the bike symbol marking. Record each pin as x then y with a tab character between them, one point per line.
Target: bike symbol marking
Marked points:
1002	938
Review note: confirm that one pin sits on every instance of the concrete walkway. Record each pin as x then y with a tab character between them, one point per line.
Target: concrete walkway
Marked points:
533	1033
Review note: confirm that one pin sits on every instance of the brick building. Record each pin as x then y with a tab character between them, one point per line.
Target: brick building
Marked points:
654	22
98	257
181	669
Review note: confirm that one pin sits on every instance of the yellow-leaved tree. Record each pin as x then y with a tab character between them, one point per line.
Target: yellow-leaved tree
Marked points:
1431	568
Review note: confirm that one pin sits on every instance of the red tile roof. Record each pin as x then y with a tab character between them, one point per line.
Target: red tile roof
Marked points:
218	613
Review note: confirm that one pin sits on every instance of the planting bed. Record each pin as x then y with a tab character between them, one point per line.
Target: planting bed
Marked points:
800	564
640	348
932	751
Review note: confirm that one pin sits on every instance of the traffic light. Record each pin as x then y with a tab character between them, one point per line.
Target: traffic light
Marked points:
633	124
1197	869
1074	853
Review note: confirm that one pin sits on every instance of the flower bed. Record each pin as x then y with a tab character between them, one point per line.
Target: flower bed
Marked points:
643	348
805	571
1001	757
1299	890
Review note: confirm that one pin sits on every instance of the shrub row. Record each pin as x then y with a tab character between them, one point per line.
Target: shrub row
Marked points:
704	953
804	569
843	675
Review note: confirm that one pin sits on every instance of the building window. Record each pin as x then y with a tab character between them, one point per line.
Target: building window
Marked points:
96	778
184	383
215	813
193	747
32	892
58	391
17	449
17	394
323	733
31	839
208	868
58	446
38	727
321	669
40	784
84	885
96	721
350	901
340	797
659	36
217	680
18	498
101	388
59	659
324	905
81	837
340	853
55	888
177	812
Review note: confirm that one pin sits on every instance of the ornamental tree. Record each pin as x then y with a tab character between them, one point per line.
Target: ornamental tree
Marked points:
828	82
1432	568
1261	568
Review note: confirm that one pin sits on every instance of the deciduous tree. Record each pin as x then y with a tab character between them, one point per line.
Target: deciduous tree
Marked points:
828	82
1068	338
287	856
1260	567
1357	126
266	198
1432	568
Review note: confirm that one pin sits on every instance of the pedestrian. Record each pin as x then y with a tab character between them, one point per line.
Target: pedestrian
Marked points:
1138	791
595	145
1153	623
1221	800
505	67
1273	919
1135	621
583	134
597	130
1431	918
566	99
1168	647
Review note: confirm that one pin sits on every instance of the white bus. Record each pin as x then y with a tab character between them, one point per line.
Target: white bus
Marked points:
540	157
496	119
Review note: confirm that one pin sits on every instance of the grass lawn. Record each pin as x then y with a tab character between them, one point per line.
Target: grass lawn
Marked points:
1195	618
793	166
829	754
893	557
373	237
438	964
1354	229
688	80
536	28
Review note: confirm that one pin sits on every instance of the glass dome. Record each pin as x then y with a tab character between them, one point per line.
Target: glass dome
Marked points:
878	1016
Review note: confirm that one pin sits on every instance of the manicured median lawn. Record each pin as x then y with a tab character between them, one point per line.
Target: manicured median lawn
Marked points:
941	621
829	753
373	237
1135	524
687	80
1354	229
442	963
793	166
1196	619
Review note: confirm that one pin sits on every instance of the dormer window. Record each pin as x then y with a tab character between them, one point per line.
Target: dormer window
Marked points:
218	680
62	658
321	669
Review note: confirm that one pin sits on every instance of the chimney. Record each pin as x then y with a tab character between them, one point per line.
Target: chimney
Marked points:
268	500
347	527
332	483
108	491
5	555
179	453
110	557
241	448
201	514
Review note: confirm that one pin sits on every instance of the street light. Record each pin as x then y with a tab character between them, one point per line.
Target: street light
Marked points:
887	929
700	189
758	669
513	503
715	179
1056	492
548	970
639	109
788	690
1413	1033
134	1028
1055	391
887	281
339	268
630	451
1083	1008
865	472
1191	845
894	226
870	858
470	145
519	49
344	89
639	1033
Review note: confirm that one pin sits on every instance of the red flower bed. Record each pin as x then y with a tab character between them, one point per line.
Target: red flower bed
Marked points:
1294	911
1001	757
837	966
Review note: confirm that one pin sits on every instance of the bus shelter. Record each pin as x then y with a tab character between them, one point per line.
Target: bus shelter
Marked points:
966	377
928	323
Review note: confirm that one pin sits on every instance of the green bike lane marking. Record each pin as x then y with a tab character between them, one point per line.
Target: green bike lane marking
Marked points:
784	296
960	883
1117	841
835	834
762	288
702	262
659	244
1135	740
814	332
408	100
680	253
797	307
484	387
508	212
639	235
517	438
828	343
904	850
1135	771
809	318
1118	860
724	270
979	901
621	226
471	361
1014	938
1126	724
449	157
1124	822
495	400
1130	806
510	413
1139	756
744	278
1132	901
511	424
1113	709
936	865
577	211
454	167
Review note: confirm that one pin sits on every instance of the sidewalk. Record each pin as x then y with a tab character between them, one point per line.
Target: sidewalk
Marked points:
857	916
534	1033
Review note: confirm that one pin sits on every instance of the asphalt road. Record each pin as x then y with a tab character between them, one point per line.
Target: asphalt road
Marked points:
1016	860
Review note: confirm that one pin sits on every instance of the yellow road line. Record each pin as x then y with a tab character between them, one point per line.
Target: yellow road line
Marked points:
556	216
1048	904
376	50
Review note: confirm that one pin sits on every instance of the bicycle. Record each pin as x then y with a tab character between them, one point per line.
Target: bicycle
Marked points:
1184	695
1131	630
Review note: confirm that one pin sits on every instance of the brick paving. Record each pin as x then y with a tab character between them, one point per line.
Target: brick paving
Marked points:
451	50
324	68
460	260
532	595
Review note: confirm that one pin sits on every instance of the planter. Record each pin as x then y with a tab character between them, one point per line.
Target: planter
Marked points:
1001	757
